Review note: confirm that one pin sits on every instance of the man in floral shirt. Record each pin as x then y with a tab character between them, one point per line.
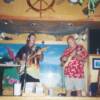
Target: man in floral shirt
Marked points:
73	60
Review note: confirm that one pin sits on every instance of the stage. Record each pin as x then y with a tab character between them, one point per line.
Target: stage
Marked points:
47	98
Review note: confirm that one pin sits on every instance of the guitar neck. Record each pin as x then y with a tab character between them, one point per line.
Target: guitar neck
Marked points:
36	54
69	59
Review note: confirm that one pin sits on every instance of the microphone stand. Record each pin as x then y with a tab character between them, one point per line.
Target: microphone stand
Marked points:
63	83
25	72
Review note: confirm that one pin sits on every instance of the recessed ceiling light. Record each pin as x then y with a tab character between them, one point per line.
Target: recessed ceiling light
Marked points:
33	24
73	1
5	23
70	24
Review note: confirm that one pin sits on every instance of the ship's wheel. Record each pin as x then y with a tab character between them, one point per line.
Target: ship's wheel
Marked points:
40	5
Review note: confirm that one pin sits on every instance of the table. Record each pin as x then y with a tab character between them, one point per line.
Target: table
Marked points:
9	65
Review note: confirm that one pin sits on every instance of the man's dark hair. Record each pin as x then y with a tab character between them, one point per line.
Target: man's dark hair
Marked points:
31	34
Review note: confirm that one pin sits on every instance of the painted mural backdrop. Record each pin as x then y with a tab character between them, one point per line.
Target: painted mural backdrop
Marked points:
51	72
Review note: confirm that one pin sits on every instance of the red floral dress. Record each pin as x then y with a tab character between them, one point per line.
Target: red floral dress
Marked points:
75	67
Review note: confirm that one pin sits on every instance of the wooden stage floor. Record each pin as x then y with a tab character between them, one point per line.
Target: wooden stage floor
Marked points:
46	98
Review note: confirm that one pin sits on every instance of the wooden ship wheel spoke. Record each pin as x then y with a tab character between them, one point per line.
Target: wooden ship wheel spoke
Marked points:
40	5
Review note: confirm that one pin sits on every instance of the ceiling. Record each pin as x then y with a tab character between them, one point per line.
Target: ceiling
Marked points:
50	27
61	19
61	10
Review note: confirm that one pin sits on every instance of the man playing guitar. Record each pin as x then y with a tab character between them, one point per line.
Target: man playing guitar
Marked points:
73	60
27	55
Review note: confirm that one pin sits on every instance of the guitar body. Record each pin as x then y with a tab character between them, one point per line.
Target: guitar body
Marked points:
36	60
66	60
36	55
33	63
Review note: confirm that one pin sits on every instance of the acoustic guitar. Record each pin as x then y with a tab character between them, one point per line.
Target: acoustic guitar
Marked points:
66	60
32	68
36	54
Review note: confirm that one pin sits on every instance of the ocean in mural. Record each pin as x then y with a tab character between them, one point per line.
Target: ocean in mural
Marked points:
51	73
